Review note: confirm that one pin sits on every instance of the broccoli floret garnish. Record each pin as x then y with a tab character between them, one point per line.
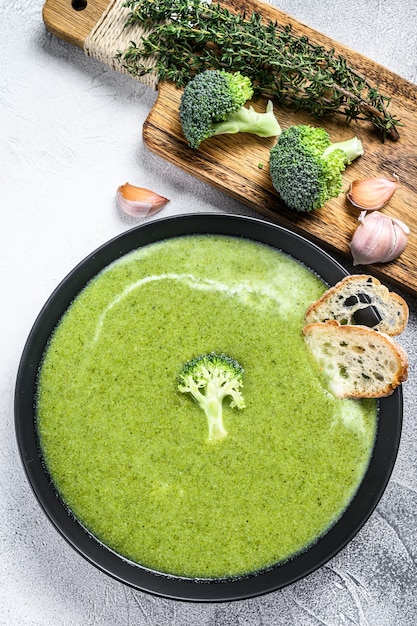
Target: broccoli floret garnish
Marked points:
212	104
306	168
210	378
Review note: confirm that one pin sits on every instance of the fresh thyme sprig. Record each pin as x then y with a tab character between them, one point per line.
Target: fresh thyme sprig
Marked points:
189	36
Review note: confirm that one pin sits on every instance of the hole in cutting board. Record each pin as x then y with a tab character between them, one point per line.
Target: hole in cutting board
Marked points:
78	5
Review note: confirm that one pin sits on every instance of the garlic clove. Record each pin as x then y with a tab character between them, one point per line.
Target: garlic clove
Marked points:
378	239
139	201
401	232
401	224
371	194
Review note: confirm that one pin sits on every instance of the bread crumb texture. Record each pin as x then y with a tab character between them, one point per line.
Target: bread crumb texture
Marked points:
357	361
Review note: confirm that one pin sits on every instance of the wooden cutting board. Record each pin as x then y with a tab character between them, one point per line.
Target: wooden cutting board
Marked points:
231	162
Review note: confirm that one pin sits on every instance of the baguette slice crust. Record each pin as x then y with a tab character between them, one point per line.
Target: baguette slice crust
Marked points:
342	301
358	362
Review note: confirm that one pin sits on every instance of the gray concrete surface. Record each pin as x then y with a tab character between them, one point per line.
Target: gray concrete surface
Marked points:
70	134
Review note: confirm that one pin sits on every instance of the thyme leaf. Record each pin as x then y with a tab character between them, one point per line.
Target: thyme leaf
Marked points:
189	36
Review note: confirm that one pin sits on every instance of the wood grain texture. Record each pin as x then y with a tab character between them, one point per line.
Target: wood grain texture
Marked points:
70	24
231	162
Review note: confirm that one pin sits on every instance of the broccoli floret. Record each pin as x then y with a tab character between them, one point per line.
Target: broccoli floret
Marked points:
306	168
210	378
212	104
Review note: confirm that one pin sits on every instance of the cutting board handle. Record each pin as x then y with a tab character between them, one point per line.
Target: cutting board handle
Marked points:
99	28
72	20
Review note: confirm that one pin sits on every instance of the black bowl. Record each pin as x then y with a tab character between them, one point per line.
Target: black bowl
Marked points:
359	510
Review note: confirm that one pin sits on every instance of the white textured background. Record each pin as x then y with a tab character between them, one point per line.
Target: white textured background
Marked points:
70	133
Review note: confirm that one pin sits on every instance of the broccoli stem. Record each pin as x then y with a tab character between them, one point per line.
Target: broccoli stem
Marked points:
352	148
212	404
247	120
213	407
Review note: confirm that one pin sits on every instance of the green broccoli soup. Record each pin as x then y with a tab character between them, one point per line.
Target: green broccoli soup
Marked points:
129	453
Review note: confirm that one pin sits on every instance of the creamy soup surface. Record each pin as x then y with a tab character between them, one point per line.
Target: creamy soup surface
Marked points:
128	452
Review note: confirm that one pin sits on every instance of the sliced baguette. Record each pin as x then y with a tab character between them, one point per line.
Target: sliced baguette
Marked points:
341	302
357	361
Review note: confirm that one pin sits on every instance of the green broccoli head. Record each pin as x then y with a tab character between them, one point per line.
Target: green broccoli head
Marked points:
210	378
306	167
212	104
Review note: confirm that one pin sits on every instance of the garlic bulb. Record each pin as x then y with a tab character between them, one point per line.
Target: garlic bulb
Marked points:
371	194
139	201
378	239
